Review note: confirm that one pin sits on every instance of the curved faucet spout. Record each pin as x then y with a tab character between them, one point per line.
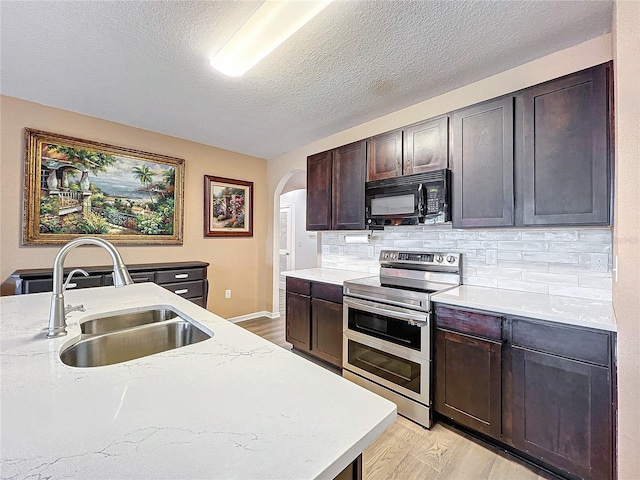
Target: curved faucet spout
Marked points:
121	277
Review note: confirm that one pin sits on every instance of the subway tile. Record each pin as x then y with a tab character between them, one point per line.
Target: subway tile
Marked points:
524	266
580	246
407	244
523	246
550	257
459	235
425	235
478	244
480	281
439	245
466	253
556	278
592	281
600	235
509	255
567	267
555	235
505	273
507	235
532	287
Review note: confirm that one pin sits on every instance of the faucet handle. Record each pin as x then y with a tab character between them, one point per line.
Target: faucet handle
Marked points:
74	308
68	283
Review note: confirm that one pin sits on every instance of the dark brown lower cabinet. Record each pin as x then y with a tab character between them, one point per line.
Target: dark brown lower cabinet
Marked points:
468	377
298	331
314	319
543	390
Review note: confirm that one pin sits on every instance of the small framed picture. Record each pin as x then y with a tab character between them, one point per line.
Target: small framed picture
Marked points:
228	207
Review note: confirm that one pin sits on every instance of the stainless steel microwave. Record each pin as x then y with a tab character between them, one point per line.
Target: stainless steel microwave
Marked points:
423	198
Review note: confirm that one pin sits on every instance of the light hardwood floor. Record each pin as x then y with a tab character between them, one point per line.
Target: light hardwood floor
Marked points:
406	451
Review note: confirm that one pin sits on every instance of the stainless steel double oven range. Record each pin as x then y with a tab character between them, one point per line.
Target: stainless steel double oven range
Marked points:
387	346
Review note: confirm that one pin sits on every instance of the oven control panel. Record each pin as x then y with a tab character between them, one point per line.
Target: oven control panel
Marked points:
420	258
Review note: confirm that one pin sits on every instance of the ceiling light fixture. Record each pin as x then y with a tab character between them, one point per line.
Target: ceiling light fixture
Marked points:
268	27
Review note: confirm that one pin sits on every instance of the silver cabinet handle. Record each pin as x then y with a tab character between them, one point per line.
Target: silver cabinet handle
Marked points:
181	275
180	292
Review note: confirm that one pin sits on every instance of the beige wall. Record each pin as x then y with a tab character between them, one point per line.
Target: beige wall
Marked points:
236	263
626	299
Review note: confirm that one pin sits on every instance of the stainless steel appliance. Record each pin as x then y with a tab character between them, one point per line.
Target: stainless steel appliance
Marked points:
387	345
423	198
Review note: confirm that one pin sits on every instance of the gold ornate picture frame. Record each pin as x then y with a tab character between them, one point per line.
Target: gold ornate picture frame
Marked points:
76	187
228	207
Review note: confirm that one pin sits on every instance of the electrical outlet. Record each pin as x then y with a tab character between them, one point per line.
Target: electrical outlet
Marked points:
326	248
227	294
340	250
371	251
599	262
492	257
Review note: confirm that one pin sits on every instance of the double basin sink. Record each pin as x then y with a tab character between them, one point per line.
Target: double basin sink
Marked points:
119	337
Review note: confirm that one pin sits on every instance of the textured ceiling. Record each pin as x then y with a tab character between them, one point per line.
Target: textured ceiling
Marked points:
145	64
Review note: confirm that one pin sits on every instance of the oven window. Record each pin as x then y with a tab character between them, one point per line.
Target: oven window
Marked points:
393	205
399	371
385	328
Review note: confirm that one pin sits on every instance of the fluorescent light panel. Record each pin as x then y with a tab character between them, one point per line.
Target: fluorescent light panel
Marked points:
268	27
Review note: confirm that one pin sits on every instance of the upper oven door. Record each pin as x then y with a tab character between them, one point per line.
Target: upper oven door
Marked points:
402	327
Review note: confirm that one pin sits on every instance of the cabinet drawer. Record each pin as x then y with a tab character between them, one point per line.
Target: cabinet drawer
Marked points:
138	277
186	289
326	291
297	285
571	342
469	321
46	284
183	275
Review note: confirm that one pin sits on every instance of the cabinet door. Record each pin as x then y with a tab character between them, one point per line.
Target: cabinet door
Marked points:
426	146
468	381
349	175
565	151
326	338
385	156
482	165
298	321
562	412
319	171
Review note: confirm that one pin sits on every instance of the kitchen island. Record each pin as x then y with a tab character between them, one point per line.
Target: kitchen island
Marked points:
232	406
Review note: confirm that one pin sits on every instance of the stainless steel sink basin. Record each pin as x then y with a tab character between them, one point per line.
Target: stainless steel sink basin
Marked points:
129	344
121	321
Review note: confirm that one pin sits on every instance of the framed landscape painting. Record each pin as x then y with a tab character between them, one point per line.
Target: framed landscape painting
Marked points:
228	207
76	187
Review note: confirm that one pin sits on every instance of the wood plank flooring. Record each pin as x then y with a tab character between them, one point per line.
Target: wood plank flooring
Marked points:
406	451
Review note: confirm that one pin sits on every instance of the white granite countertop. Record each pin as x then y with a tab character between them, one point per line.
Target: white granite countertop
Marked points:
567	310
327	275
232	407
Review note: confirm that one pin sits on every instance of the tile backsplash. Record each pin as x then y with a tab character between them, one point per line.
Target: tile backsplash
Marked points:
555	261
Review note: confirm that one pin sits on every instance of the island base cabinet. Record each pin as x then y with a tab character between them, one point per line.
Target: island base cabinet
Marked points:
468	381
562	412
353	470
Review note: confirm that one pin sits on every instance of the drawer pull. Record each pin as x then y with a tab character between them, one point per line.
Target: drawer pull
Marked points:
180	292
181	275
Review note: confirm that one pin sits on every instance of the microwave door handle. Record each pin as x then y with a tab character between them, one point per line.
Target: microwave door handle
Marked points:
417	320
420	201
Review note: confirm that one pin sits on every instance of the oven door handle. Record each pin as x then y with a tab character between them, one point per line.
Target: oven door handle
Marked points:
421	320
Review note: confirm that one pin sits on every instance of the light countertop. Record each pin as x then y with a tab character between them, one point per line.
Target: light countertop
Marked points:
567	310
232	407
327	275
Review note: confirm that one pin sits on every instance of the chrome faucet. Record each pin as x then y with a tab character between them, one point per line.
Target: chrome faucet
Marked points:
57	314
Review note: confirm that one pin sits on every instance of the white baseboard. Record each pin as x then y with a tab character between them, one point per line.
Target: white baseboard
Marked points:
251	316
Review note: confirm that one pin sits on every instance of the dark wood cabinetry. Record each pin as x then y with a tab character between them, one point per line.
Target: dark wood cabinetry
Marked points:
335	188
564	165
543	390
562	397
468	360
187	279
314	319
482	165
418	148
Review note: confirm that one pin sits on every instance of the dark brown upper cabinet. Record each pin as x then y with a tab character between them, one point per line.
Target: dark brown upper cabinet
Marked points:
564	165
426	146
482	164
418	148
335	188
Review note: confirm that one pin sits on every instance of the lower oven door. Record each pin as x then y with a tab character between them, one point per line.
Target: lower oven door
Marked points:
399	369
